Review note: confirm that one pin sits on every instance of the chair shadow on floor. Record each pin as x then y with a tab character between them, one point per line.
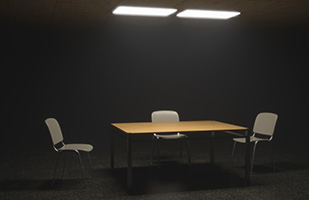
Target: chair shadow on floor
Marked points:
268	168
172	177
40	184
25	184
287	166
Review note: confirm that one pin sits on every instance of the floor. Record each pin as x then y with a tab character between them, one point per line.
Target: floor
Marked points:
28	174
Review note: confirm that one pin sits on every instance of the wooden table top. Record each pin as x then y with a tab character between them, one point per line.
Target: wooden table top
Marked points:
182	126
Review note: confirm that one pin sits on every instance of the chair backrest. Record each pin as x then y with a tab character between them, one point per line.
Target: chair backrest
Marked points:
265	123
164	116
54	130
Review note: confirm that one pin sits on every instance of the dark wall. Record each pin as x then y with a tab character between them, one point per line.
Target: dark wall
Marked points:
123	70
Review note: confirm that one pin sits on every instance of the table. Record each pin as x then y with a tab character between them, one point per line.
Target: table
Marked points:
133	129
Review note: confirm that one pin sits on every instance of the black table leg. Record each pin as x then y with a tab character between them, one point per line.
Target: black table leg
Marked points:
112	148
247	165
129	162
212	148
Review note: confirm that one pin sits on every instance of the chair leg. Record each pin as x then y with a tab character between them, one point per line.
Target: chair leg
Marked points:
53	183
272	162
90	163
272	159
89	160
81	165
152	150
233	152
65	160
158	141
253	154
180	156
189	156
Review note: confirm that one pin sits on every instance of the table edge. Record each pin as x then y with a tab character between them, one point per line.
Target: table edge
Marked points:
241	128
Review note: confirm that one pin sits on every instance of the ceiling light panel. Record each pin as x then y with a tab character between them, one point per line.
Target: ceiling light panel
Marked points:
144	11
209	14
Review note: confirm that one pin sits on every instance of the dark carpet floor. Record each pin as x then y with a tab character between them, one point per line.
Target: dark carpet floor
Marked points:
28	174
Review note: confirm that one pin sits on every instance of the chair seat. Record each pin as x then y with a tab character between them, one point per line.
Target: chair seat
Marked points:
79	147
171	136
252	139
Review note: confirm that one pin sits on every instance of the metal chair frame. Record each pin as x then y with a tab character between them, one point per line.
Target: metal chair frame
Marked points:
57	139
159	137
265	134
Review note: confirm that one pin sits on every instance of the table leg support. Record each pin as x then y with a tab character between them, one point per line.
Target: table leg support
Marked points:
129	162
247	165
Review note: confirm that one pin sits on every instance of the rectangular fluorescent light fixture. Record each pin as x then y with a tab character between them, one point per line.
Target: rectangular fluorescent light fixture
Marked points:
144	11
209	14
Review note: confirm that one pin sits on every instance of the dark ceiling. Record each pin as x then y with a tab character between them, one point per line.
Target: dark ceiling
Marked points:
283	12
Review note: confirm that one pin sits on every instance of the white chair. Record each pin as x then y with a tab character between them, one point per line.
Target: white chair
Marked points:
60	146
168	116
263	131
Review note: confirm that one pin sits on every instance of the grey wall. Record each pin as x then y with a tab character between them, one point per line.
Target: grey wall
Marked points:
128	67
